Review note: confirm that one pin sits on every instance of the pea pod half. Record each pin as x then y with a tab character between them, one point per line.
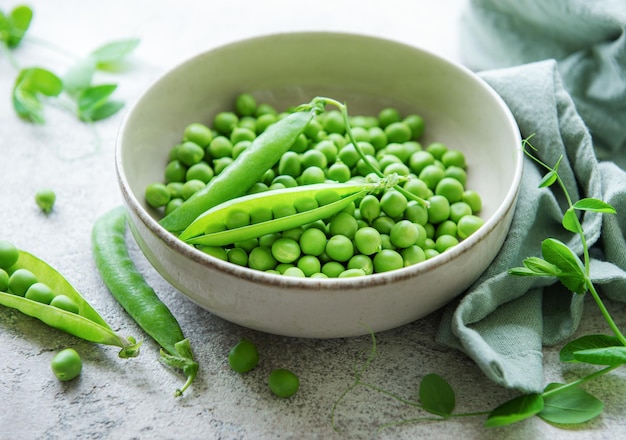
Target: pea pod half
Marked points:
139	300
341	195
87	324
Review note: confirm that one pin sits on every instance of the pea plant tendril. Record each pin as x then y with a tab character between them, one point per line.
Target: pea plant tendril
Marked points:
561	404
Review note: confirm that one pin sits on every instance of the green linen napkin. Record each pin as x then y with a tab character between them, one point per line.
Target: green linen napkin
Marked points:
561	69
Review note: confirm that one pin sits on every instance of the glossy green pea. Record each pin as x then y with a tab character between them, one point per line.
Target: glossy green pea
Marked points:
393	203
339	172
45	198
221	163
339	248
398	132
237	256
264	121
417	125
469	224
459	210
312	175
190	153
416	213
258	187
437	149
386	260
191	187
431	175
368	240
333	122
388	116
286	250
294	272
453	158
239	148
243	357
66	364
305	204
290	164
362	262
8	254
261	258
404	234
237	218
445	242
474	200
351	273
248	244
383	224
198	133
260	214
64	302
378	138
420	160
447	227
450	188
348	155
40	292
175	171
396	168
309	264
224	122
343	224
157	195
241	134
313	242
457	173
332	269
20	281
412	255
4	280
215	251
175	189
369	207
200	171
439	209
283	383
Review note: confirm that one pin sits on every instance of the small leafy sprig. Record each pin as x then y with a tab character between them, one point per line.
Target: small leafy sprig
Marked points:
559	403
75	91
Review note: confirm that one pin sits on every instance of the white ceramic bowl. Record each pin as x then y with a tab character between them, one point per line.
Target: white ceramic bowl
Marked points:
368	73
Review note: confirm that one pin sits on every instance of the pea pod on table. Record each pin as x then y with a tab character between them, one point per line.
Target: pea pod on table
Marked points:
86	323
140	301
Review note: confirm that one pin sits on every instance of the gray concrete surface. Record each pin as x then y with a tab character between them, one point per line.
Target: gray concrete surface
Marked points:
132	399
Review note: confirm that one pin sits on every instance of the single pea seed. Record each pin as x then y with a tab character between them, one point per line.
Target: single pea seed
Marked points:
294	272
66	364
157	195
386	260
417	125
175	171
198	133
368	240
190	153
40	292
283	383
286	250
351	273
468	224
340	248
398	132
313	242
4	280
445	242
243	357
64	302
45	198
237	256
245	104
8	254
362	262
332	269
437	149
224	122
20	281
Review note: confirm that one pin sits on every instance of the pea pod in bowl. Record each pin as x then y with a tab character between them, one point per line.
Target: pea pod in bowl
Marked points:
80	319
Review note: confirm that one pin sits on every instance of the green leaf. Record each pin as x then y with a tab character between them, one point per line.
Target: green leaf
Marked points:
610	356
39	80
79	76
548	179
14	26
541	267
519	408
570	407
522	272
595	205
586	342
27	106
572	270
93	104
570	221
103	111
114	52
436	395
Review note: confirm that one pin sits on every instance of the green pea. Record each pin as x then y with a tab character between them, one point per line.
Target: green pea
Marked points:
437	149
283	210
309	264
393	203
378	138
404	234
439	209
265	120
332	269
45	198
40	292
305	204
65	303
220	146
243	357
268	239
175	189
198	133
362	262
313	242
456	173
431	175
261	214
343	224
334	122
447	227
416	213
385	241
286	250
351	273
453	158
361	134
450	188
412	255
319	275
173	204
327	197
221	163
282	267
66	364
388	116
245	104
290	164
8	254
459	210
294	272
420	160
398	132
191	187
312	130
429	243
328	148
248	244
396	168
283	383
4	280
157	195
339	172
383	224
294	233
472	198
368	240
386	260
175	171
224	122
445	242
20	281
200	171
215	251
261	258
240	134
286	180
312	175
430	253
369	207
340	248
417	125
190	153
468	224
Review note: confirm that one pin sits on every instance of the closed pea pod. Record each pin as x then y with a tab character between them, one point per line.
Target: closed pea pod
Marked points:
139	300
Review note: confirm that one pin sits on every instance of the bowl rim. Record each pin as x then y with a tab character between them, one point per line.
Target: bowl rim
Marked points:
316	284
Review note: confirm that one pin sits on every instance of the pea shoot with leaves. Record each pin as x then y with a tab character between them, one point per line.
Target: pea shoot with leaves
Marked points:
75	91
560	403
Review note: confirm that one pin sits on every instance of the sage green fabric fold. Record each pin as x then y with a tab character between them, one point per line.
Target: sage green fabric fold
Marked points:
537	64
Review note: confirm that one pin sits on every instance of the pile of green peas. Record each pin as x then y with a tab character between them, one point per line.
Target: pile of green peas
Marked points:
23	282
377	233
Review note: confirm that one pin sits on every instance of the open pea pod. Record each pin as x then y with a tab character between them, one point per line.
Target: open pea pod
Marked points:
219	213
87	324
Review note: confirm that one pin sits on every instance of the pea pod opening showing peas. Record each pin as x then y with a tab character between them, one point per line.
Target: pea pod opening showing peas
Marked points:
139	300
84	322
246	169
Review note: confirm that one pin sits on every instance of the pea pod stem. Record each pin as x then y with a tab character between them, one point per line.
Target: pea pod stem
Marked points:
134	294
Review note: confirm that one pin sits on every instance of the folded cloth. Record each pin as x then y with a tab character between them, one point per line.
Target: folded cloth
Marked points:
503	321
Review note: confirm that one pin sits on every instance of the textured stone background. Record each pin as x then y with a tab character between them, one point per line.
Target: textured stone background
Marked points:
132	399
